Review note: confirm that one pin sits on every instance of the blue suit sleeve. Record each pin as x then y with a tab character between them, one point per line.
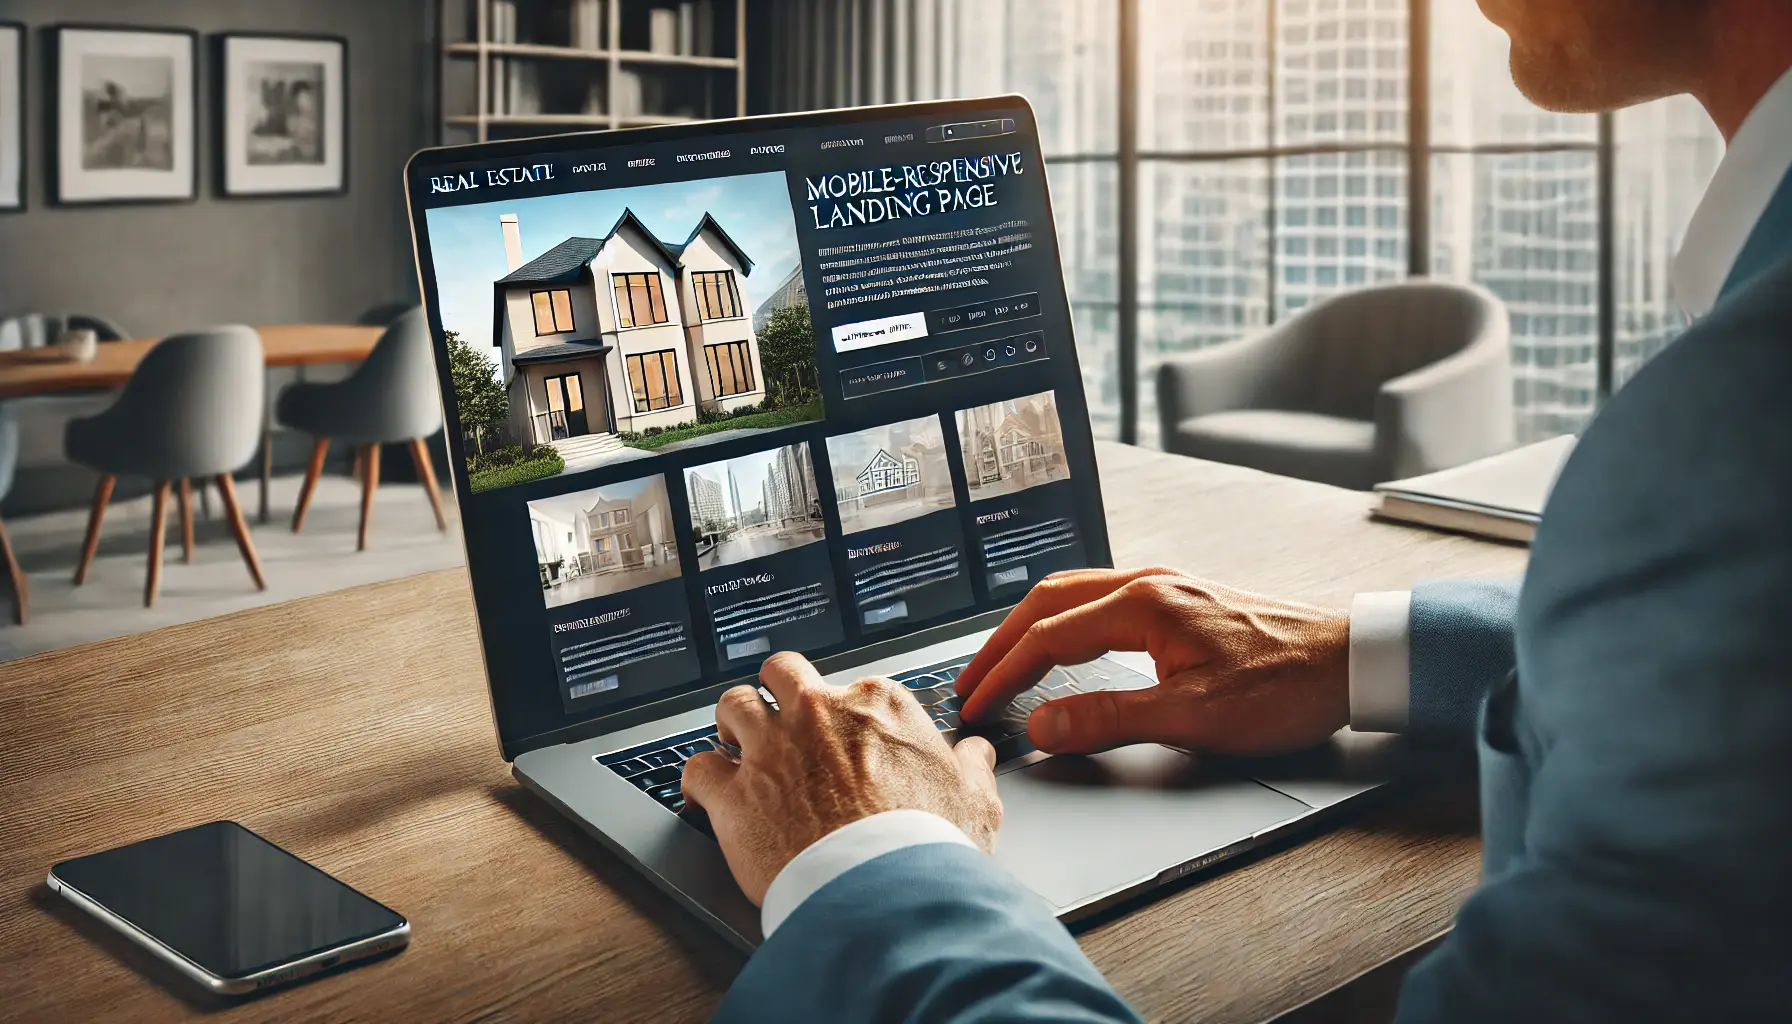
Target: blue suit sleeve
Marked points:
1460	637
1645	742
934	933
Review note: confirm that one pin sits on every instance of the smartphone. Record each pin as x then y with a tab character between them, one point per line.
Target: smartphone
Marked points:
229	909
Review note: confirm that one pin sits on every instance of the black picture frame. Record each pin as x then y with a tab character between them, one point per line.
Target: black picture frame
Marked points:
222	114
22	141
53	119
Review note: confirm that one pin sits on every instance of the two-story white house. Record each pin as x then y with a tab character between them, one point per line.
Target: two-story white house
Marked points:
622	333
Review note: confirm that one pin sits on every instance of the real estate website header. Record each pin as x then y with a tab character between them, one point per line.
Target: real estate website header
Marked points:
878	168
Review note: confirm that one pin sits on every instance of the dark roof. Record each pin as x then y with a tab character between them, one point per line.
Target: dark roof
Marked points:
563	263
564	350
559	265
746	262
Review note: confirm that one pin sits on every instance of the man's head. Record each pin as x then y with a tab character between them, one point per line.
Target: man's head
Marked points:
1585	56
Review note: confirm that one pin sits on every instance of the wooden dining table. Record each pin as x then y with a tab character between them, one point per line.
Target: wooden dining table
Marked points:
44	371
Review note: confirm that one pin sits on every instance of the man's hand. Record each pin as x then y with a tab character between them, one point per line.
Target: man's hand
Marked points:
826	758
1237	673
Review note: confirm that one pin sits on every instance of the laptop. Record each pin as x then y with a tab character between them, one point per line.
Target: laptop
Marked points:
807	383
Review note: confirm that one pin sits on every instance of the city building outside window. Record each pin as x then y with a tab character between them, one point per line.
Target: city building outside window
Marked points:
1282	152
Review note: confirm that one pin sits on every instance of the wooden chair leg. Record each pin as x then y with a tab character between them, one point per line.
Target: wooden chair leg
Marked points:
318	451
186	521
158	535
21	590
426	472
101	496
370	479
239	528
354	471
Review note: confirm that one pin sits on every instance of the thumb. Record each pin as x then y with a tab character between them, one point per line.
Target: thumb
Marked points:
978	759
1085	723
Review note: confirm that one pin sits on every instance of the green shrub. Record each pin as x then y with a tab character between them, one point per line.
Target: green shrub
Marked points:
650	440
542	461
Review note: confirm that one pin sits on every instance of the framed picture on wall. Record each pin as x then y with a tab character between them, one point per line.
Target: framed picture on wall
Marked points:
124	115
283	117
12	116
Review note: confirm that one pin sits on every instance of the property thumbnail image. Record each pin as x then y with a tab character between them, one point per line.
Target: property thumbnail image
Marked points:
754	505
888	474
1011	446
582	326
604	540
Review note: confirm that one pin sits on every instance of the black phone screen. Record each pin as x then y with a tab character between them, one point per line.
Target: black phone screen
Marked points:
226	899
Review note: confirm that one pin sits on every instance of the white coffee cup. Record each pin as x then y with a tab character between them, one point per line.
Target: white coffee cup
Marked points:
78	345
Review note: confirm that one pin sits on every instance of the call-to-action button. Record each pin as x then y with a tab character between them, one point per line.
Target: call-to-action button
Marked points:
872	333
887	376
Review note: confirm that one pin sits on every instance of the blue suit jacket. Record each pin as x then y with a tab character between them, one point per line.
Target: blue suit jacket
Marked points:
1633	708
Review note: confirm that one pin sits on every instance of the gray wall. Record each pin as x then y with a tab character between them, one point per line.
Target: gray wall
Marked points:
157	269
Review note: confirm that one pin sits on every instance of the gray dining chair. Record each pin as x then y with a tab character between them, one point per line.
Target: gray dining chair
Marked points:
1370	386
390	399
191	410
9	457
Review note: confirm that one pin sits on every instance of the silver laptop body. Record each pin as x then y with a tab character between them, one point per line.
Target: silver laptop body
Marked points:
581	680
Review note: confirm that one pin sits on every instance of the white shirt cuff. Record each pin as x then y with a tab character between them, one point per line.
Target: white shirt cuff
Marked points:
846	848
1380	661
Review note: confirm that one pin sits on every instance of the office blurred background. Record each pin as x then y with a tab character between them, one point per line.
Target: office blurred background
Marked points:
1273	153
1218	168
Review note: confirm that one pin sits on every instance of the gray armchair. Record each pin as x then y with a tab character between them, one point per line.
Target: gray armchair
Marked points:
1370	386
192	409
9	457
390	399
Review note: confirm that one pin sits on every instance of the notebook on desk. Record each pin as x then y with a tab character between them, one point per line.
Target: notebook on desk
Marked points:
1500	497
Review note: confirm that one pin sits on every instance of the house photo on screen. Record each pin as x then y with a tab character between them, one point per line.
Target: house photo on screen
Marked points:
904	543
1022	500
605	540
888	474
1012	446
591	327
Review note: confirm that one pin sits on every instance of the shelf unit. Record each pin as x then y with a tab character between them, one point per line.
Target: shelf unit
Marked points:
510	68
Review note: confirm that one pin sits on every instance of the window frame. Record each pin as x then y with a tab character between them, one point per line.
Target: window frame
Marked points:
653	289
1417	146
554	295
670	388
744	352
703	280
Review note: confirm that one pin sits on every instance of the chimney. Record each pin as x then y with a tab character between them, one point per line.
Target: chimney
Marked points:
513	240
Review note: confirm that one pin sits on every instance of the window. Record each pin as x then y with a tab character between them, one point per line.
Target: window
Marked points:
639	301
717	298
1266	126
553	311
653	377
730	368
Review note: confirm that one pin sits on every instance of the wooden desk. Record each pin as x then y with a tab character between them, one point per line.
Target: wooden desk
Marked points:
37	372
353	729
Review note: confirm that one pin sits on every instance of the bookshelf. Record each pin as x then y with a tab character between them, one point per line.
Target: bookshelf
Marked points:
514	68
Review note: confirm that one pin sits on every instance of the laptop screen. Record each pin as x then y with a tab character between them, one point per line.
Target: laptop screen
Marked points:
798	383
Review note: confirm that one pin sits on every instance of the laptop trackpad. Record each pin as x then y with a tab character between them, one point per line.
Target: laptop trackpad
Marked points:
1076	828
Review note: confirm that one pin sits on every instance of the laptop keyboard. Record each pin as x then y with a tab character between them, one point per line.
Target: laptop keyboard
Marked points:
657	768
